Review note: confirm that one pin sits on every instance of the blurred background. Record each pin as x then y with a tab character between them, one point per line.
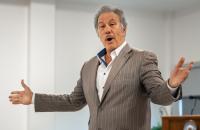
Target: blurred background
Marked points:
46	43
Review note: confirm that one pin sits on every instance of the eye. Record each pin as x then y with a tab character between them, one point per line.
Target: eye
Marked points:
101	26
112	24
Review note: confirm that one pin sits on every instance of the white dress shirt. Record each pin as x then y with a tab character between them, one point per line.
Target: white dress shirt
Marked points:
104	69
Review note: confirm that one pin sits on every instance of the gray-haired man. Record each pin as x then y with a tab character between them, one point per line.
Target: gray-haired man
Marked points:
117	84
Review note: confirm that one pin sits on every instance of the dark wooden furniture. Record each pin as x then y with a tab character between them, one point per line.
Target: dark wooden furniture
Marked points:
178	122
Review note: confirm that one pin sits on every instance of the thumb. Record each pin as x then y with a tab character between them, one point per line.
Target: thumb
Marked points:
24	85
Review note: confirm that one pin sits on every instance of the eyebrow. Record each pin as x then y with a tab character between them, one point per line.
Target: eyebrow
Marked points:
100	22
112	20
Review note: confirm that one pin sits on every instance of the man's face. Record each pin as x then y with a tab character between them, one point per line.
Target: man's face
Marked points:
110	31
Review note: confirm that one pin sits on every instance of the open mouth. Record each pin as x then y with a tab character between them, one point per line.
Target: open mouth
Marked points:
109	38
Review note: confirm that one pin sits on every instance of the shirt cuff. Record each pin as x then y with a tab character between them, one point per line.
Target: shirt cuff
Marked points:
172	90
33	98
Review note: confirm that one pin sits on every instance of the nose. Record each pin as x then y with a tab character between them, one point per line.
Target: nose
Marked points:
107	29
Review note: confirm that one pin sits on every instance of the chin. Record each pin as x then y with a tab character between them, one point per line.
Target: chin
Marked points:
111	48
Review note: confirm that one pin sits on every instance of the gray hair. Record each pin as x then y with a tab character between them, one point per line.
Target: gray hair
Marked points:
105	9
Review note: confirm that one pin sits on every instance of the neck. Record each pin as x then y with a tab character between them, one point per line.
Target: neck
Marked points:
108	58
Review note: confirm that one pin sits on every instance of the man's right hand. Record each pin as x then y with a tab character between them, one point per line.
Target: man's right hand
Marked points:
22	97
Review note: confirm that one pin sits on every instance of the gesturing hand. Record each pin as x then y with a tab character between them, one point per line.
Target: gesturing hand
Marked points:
22	97
180	73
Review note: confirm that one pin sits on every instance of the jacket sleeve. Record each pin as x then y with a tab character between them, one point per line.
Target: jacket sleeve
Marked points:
73	102
155	86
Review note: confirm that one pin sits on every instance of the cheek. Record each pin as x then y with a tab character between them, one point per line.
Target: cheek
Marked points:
100	37
118	35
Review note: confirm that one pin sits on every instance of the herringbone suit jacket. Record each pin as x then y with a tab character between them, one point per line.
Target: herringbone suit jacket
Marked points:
133	82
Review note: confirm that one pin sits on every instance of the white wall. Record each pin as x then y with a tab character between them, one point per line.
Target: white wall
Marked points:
185	42
186	38
27	52
41	59
13	64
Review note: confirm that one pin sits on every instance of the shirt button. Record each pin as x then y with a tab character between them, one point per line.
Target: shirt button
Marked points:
104	73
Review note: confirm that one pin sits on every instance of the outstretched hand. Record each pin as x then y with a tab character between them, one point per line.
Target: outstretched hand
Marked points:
21	97
180	73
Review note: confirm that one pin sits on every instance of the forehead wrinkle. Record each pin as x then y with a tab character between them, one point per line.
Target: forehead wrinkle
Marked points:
111	20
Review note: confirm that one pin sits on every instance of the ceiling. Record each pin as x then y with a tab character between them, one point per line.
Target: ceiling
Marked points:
153	5
147	5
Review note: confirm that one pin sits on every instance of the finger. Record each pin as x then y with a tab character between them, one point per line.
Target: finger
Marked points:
14	96
189	67
11	97
181	62
16	92
14	99
16	102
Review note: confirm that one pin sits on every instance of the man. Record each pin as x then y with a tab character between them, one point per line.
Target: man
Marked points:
117	84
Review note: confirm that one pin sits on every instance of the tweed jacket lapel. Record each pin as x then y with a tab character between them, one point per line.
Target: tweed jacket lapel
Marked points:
117	64
93	75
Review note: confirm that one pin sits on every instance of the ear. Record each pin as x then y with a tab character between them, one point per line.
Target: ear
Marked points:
124	30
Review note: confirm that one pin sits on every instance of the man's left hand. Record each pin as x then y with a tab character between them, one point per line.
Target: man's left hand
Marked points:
180	73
